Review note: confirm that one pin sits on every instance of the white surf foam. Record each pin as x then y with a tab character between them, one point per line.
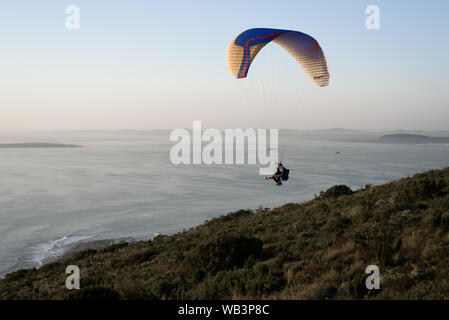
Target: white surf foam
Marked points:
49	251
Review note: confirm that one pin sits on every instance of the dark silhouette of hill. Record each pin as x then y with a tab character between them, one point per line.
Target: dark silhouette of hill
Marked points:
38	145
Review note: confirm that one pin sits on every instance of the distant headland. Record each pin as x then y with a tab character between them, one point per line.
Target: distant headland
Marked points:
411	138
38	145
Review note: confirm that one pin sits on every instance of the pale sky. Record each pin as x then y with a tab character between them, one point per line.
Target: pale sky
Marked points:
161	64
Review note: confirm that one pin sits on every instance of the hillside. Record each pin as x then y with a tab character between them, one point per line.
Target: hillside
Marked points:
411	138
313	250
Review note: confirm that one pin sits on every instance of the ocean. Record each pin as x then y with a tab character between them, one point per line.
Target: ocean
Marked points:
121	185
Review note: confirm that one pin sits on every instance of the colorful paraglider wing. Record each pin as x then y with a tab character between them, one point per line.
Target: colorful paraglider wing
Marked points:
305	49
244	48
308	53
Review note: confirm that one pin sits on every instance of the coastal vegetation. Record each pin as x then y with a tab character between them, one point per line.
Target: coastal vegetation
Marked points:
317	249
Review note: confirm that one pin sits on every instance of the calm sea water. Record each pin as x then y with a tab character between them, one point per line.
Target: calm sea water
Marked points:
121	184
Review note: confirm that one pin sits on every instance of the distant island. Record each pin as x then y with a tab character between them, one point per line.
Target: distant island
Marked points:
411	138
38	145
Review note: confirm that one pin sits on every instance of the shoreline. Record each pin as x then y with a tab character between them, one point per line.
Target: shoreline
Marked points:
84	245
90	244
70	252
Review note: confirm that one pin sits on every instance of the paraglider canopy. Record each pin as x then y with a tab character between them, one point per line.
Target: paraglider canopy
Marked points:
305	49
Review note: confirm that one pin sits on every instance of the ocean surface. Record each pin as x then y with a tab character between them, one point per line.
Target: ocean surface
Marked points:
122	185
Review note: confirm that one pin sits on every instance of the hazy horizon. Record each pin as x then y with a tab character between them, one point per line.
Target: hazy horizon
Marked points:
145	65
21	131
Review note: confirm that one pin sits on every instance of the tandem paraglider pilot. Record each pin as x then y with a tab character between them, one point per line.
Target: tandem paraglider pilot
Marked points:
280	175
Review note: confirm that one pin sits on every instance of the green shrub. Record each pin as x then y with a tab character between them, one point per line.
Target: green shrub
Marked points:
53	267
226	253
141	256
84	254
19	274
218	287
268	279
339	224
236	215
159	288
114	247
336	191
168	288
417	190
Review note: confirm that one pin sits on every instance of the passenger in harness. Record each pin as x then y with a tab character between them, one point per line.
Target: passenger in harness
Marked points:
280	174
